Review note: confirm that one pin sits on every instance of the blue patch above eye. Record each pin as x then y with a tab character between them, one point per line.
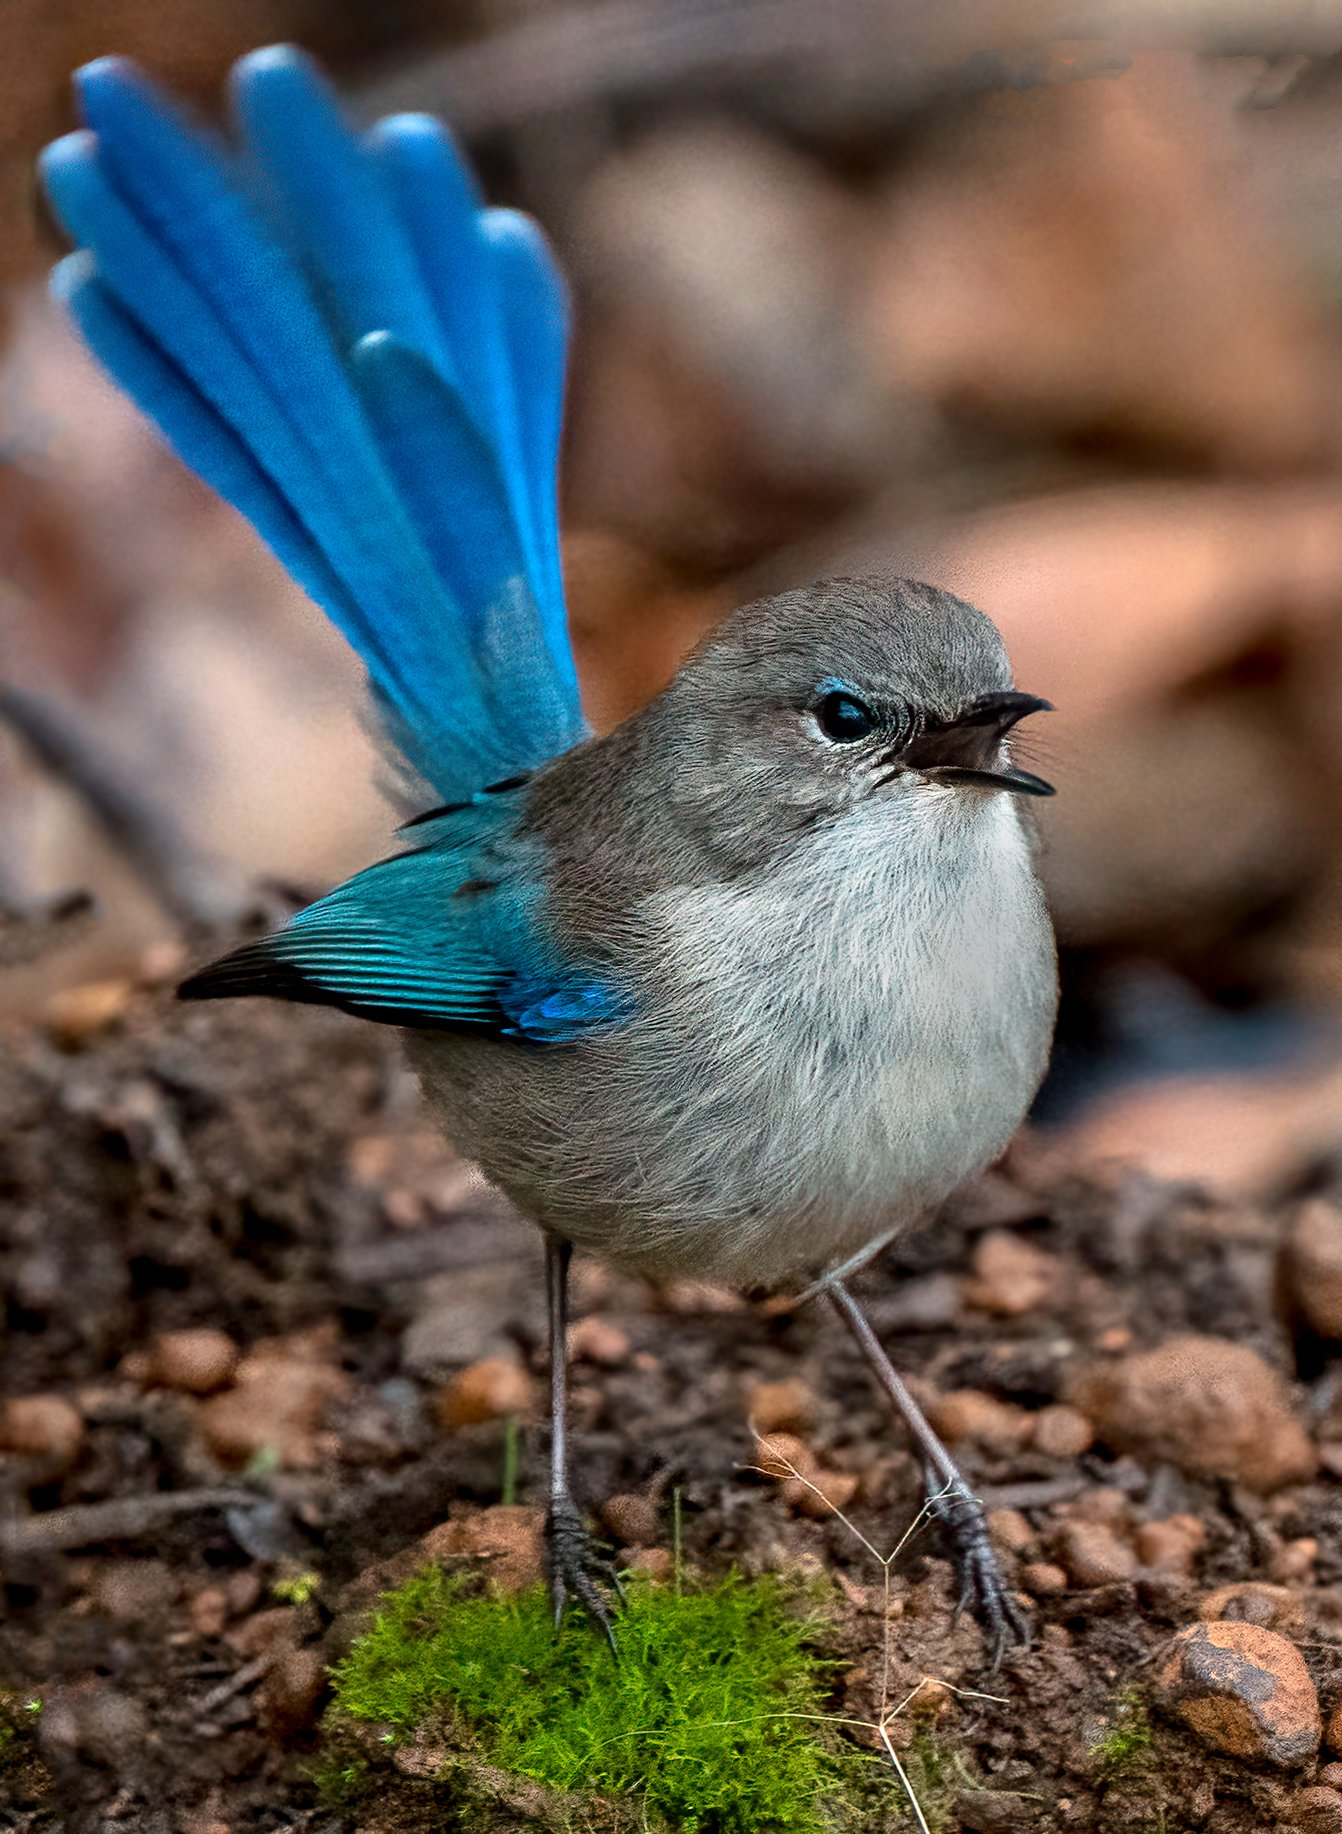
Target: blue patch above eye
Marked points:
841	713
547	1014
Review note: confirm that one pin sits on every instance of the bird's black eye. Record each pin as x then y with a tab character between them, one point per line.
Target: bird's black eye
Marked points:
843	717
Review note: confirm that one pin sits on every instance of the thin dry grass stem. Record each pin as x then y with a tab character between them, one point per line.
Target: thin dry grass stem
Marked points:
778	1461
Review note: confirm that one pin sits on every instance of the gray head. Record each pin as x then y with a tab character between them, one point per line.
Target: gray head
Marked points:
851	693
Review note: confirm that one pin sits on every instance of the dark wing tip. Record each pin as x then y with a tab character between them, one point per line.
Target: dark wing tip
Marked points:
252	970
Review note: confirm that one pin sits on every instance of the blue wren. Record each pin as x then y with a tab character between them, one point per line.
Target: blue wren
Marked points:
737	991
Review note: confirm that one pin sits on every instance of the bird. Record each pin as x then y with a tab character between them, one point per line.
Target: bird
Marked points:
736	991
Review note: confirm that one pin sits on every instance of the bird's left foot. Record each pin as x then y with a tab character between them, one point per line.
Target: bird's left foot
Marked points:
983	1591
580	1570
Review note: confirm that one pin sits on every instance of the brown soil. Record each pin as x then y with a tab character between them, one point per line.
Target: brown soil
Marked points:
263	1172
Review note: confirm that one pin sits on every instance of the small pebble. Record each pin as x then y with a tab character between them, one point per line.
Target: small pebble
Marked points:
1172	1545
41	1426
76	1014
264	1630
822	1493
596	1340
1062	1432
279	1399
969	1414
1330	1775
1210	1406
420	1760
210	1611
197	1362
789	1406
1255	1601
1294	1560
1010	1529
507	1539
1043	1579
631	1519
1094	1555
1332	1732
129	1590
289	1699
1011	1276
1313	1266
657	1562
783	1455
1243	1690
1314	1811
492	1389
692	1297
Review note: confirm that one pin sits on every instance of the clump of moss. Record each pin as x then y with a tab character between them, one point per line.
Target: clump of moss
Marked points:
1125	1746
712	1718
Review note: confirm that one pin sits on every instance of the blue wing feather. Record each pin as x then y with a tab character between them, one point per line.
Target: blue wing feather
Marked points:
234	299
449	934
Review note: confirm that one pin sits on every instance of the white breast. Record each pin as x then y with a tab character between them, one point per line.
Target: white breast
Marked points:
834	1051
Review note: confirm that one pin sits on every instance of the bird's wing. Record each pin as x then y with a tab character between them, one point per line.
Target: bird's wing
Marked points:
449	934
362	359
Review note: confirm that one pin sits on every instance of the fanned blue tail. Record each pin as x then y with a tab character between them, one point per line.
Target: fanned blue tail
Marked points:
362	359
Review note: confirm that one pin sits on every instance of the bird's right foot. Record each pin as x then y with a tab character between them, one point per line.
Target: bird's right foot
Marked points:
983	1591
580	1569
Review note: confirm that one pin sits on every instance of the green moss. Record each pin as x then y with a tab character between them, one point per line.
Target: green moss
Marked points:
1127	1743
711	1718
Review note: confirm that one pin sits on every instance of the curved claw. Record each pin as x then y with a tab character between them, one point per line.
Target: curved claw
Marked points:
982	1587
579	1569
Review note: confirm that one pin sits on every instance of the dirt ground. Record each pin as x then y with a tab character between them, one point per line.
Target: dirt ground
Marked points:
193	1521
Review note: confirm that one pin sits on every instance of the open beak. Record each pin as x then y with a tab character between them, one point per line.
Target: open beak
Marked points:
968	749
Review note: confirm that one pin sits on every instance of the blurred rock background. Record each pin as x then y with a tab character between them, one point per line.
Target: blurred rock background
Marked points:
1051	320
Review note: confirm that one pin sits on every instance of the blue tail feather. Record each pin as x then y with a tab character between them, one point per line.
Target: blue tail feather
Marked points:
330	207
192	425
245	332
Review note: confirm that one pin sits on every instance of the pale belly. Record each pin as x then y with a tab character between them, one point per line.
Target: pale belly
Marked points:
802	1079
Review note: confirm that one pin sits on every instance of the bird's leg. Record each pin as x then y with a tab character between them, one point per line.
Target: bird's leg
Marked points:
949	1497
577	1566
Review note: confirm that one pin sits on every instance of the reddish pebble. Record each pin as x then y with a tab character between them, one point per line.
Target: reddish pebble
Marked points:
41	1426
197	1362
1243	1690
1094	1555
1314	1811
1043	1578
658	1563
1062	1432
1171	1546
210	1611
967	1413
596	1340
822	1493
782	1407
264	1630
1206	1404
492	1389
782	1455
1010	1529
1011	1275
279	1398
506	1540
1295	1560
76	1014
630	1518
1254	1601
